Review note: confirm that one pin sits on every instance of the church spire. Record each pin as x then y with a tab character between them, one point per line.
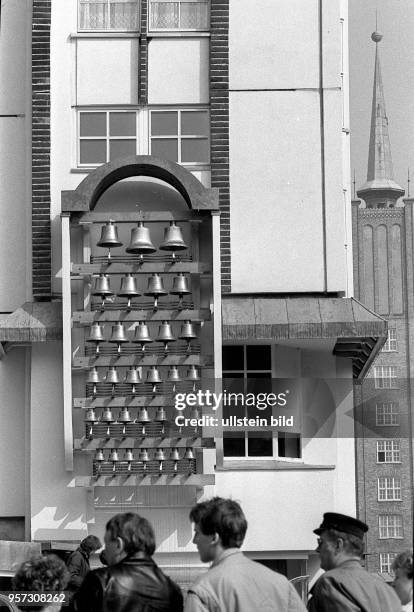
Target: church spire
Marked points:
380	190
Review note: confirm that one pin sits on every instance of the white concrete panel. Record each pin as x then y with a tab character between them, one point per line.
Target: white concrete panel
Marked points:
12	433
14	44
332	43
337	200
13	212
58	512
178	71
275	183
274	44
107	71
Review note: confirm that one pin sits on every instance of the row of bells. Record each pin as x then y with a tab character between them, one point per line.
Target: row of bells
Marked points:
142	335
125	416
144	456
133	375
129	286
141	243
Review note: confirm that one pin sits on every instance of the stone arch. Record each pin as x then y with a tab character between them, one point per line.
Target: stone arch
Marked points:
88	192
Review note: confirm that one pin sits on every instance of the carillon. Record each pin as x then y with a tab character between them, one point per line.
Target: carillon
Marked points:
133	377
128	289
155	288
161	417
180	288
93	378
109	238
140	241
118	335
142	336
96	335
143	418
102	288
173	239
187	333
154	377
165	334
112	377
173	376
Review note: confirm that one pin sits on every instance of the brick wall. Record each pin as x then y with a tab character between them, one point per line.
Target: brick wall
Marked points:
219	108
143	55
41	238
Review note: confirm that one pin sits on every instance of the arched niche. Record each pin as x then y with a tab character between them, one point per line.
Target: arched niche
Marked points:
85	197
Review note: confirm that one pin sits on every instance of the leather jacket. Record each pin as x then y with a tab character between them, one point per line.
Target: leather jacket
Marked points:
136	584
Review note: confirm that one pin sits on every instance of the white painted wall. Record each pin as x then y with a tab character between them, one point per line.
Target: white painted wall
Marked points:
178	71
14	147
58	512
107	71
12	433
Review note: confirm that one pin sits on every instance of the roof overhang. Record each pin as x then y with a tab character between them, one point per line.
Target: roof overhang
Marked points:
358	332
32	322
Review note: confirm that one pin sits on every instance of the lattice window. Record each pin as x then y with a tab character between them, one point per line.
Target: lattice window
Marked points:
389	489
386	560
391	342
385	377
179	15
387	413
388	451
104	15
390	526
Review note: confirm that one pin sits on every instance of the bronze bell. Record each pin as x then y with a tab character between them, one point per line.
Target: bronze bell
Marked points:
165	334
159	455
133	377
129	456
192	373
90	416
107	416
102	288
160	415
174	376
112	376
99	456
173	239
118	335
180	288
155	288
93	378
140	241
109	237
143	418
96	335
142	336
153	377
124	417
143	456
187	333
188	453
114	455
175	455
128	289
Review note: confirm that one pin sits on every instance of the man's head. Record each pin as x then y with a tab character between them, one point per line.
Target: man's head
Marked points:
41	573
90	544
341	537
127	534
403	572
218	524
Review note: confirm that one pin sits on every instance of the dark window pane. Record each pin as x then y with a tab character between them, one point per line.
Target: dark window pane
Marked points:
259	357
233	385
122	124
92	124
166	148
164	123
194	123
289	445
194	150
233	444
121	148
233	357
260	444
92	151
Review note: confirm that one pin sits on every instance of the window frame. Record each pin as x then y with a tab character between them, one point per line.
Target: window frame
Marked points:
390	345
385	562
390	449
151	3
394	488
108	3
382	413
385	377
392	527
179	137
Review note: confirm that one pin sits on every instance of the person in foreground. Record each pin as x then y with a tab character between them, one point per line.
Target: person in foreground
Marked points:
233	583
403	581
78	561
346	586
42	574
131	582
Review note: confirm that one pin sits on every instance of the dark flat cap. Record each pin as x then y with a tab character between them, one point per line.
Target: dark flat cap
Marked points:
342	522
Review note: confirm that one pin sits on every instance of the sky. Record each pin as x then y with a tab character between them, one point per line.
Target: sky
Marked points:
396	23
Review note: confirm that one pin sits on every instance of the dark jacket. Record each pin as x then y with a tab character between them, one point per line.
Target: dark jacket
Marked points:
78	566
136	584
350	588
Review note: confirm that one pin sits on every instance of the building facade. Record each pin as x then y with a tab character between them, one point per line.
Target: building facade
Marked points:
233	134
383	261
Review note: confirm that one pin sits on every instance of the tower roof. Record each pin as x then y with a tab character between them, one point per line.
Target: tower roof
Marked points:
380	187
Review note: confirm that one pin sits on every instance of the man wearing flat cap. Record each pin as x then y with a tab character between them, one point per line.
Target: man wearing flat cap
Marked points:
346	586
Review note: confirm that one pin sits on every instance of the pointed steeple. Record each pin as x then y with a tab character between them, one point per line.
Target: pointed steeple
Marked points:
380	190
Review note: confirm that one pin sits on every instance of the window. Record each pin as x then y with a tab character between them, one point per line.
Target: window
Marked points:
386	560
385	377
391	342
181	135
388	413
247	369
389	489
179	15
388	451
106	135
390	526
108	15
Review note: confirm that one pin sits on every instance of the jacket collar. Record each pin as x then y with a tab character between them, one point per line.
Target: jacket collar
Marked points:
227	553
